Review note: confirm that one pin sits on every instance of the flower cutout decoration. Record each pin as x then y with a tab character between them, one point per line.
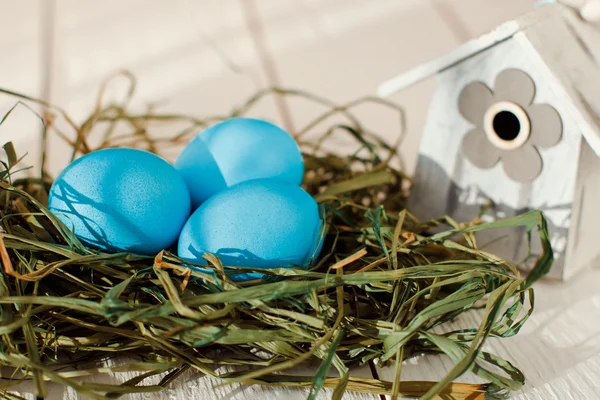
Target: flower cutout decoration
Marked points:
509	127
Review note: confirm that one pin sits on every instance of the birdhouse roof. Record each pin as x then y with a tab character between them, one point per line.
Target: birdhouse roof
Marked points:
564	47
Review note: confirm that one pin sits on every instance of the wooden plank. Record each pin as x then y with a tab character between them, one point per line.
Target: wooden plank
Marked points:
583	241
193	385
569	49
22	70
471	48
428	69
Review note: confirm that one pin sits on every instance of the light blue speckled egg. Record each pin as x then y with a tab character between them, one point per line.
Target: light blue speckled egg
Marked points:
237	150
262	223
122	200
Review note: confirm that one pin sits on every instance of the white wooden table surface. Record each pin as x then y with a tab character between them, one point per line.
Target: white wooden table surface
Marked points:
198	56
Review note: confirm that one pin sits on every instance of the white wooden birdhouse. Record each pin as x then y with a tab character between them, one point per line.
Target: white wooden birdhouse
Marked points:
514	122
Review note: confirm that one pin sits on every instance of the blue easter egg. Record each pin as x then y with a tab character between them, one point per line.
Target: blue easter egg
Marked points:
121	200
262	223
238	150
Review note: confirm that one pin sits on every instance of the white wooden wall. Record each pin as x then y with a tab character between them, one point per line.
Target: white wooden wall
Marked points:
178	49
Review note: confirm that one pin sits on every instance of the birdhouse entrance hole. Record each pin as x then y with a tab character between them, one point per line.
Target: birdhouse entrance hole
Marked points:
506	125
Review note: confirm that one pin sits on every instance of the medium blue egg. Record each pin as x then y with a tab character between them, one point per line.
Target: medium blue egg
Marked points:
238	150
262	223
121	200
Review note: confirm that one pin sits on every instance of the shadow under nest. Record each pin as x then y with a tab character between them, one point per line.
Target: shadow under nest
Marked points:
381	292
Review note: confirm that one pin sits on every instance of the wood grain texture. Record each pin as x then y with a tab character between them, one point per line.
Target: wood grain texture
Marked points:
572	65
566	49
583	249
192	385
464	51
22	69
560	53
448	184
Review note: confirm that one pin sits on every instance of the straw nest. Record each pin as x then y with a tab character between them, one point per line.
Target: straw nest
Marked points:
382	291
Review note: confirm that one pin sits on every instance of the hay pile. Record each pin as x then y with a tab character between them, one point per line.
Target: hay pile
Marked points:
381	291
